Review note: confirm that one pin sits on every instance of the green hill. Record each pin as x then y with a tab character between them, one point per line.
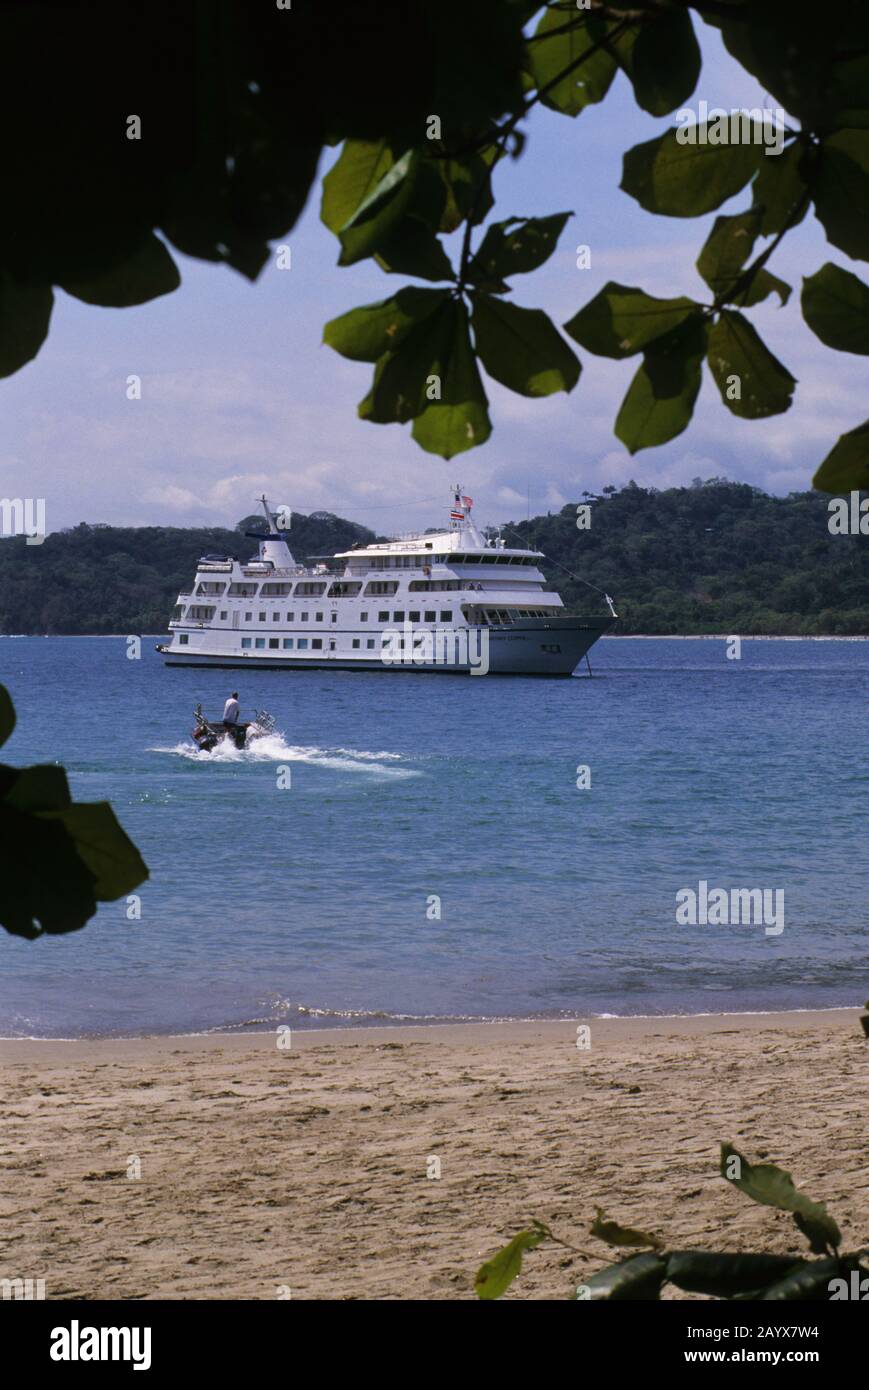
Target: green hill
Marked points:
715	557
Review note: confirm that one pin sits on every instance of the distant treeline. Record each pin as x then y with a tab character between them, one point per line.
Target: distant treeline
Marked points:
714	557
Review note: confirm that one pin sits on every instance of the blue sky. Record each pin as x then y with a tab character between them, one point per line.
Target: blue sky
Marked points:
239	395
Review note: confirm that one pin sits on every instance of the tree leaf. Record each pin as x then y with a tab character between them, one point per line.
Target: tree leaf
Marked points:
725	1275
809	1281
835	305
25	311
460	419
468	186
660	400
639	1277
496	1275
661	57
522	348
840	188
412	248
518	245
726	250
685	180
399	389
846	467
623	319
355	174
615	1234
741	363
145	275
7	714
45	886
103	846
779	188
773	1187
589	82
761	286
41	788
366	333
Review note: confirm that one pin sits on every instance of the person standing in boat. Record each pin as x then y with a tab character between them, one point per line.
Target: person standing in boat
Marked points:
231	711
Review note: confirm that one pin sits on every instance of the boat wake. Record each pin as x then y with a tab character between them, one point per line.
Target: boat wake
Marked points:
274	749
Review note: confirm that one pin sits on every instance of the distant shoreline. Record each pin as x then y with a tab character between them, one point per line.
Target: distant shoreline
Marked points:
607	637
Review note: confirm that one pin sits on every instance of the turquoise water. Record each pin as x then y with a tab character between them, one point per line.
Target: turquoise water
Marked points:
311	904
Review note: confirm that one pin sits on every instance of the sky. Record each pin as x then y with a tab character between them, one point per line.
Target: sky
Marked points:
239	396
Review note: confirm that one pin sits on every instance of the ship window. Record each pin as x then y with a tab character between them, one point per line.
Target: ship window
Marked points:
303	644
276	617
247	590
291	617
319	617
370	642
288	641
363	617
430	615
334	617
245	641
414	617
304	617
331	644
355	642
275	590
259	641
383	617
182	640
247	617
310	590
446	616
550	647
262	617
398	617
223	617
317	643
274	642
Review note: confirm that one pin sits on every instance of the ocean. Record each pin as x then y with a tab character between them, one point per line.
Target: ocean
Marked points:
411	846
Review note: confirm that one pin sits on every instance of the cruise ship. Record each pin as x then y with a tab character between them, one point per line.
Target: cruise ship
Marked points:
449	600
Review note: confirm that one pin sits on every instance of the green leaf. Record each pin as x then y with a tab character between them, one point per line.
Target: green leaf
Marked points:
661	57
7	714
516	246
773	1187
412	248
685	180
623	319
840	188
145	275
660	400
589	82
615	1234
468	187
460	419
45	887
761	286
846	467
103	846
836	307
753	383
640	1277
356	173
724	1275
41	788
811	1281
496	1275
726	250
366	333
401	375
779	188
25	311
522	348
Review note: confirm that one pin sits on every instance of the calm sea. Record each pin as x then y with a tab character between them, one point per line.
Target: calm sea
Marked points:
433	856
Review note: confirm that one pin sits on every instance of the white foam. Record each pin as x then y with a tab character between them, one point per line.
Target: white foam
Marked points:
273	748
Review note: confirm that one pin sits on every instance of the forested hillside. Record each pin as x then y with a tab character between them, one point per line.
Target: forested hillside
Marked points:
715	557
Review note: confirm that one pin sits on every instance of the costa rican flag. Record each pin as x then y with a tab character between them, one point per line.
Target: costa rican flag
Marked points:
457	516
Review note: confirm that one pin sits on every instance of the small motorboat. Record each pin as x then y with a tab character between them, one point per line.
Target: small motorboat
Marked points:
208	733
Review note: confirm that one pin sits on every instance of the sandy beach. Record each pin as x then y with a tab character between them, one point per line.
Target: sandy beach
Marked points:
301	1172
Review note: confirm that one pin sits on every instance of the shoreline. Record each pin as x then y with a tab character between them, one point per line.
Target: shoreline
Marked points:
620	1029
606	637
